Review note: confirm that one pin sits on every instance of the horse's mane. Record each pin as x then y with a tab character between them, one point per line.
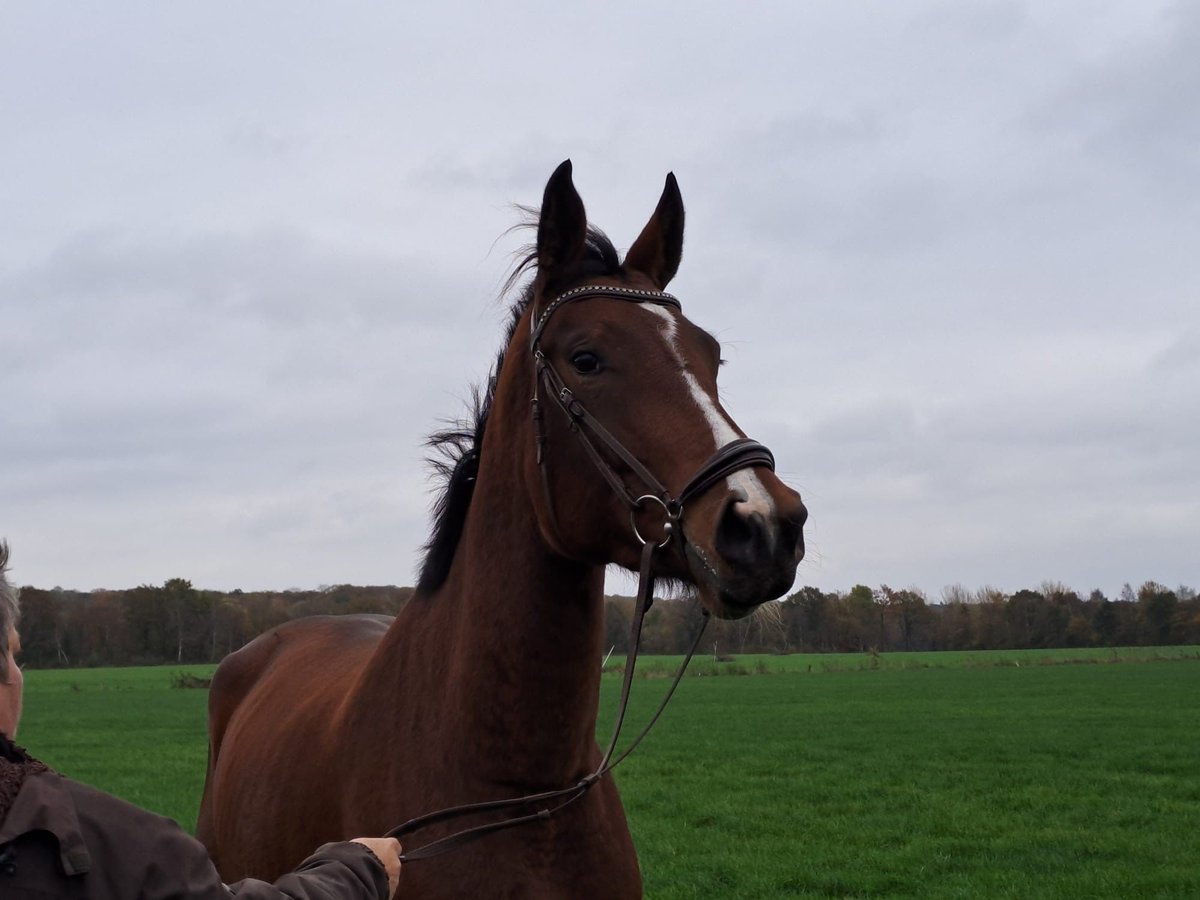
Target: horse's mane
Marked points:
455	449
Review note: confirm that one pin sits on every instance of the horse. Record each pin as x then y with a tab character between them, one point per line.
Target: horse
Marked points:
486	684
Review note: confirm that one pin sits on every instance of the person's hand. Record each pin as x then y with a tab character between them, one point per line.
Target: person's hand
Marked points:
388	851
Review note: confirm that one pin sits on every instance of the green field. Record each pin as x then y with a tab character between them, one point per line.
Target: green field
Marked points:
1032	774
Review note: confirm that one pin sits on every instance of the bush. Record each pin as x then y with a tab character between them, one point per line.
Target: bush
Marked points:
188	680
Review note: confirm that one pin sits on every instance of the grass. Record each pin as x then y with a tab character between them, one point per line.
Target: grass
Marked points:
128	731
821	663
972	782
906	775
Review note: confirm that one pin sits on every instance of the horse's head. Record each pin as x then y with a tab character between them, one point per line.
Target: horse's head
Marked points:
627	406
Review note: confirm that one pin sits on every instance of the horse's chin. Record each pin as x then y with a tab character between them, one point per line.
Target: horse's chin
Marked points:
725	592
734	595
723	606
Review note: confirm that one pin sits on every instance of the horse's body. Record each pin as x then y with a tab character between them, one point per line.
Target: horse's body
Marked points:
486	685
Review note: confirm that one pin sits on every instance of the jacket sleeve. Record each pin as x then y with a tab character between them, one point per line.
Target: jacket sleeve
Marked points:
344	871
160	861
135	853
341	871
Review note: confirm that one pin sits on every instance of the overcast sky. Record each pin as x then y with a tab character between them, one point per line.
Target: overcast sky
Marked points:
250	255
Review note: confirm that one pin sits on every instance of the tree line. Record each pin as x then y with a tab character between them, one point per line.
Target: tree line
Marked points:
888	620
173	622
176	623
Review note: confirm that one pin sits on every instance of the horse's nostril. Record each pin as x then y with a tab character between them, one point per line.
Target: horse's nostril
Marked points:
747	539
742	539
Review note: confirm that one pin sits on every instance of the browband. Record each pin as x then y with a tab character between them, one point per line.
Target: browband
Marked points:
536	325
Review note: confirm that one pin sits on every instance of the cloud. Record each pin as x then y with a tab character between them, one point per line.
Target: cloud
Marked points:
1136	107
229	380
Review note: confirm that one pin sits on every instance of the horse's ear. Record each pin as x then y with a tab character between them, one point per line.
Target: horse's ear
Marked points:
658	249
562	225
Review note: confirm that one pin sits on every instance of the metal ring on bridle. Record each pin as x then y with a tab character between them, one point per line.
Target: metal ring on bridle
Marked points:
668	525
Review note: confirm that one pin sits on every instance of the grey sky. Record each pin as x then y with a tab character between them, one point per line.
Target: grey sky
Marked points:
249	257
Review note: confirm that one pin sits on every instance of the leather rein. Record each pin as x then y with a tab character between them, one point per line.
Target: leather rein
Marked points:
596	439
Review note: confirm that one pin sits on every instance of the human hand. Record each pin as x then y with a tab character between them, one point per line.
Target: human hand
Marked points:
388	851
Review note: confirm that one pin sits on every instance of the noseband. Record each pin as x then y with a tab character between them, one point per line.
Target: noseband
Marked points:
734	456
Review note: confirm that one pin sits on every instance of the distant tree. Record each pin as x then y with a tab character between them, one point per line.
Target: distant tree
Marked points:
1158	605
184	611
956	593
618	612
229	623
952	628
861	619
145	619
1023	609
1052	617
670	626
992	630
103	631
1188	616
810	619
43	628
1079	631
1104	618
908	616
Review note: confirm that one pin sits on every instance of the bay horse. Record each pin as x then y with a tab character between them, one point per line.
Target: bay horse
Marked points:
486	685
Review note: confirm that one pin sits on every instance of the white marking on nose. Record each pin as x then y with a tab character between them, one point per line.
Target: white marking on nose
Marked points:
745	483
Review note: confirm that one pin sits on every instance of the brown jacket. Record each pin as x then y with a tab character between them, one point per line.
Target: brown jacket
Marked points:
61	840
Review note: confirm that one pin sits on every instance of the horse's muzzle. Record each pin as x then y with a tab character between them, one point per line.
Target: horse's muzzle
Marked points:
753	553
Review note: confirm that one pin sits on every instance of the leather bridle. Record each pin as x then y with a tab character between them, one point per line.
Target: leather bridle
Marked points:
596	439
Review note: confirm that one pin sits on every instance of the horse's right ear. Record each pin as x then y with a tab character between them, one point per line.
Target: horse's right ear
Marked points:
562	225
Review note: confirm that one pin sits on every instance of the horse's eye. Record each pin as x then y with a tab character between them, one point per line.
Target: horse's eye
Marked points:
586	363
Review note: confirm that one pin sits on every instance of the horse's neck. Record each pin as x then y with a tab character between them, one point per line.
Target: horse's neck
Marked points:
531	626
511	646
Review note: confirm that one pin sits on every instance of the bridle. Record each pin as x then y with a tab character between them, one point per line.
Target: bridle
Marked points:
734	456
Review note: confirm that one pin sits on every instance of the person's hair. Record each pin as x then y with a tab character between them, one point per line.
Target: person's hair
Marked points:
9	610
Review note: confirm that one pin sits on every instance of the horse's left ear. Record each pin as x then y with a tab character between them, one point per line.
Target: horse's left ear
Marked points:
658	249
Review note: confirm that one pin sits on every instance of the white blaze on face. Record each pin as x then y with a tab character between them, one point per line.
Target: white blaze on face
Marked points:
744	483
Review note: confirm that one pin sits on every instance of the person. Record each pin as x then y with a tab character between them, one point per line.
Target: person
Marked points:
63	839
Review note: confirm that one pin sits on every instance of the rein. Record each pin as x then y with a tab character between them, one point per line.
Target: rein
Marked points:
738	454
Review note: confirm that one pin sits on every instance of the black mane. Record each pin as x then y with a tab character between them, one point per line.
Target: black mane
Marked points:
455	449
